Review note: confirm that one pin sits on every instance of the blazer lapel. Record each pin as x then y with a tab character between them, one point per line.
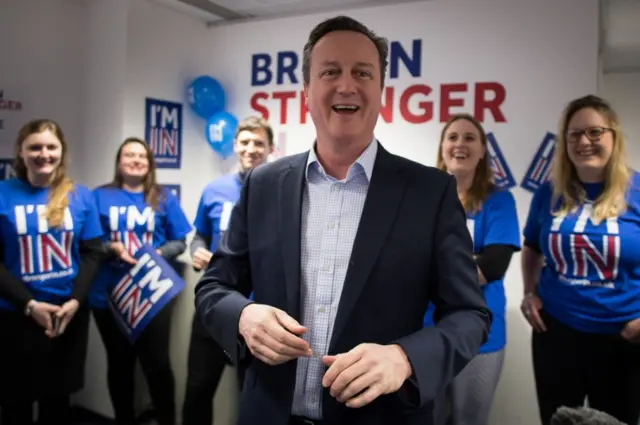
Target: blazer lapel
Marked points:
384	197
290	202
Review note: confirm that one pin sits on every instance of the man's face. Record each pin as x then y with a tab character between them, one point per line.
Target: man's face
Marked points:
344	92
252	148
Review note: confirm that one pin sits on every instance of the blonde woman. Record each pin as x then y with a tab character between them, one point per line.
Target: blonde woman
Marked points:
50	251
581	269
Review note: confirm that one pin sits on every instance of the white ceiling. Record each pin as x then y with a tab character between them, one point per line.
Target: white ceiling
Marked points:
217	12
620	24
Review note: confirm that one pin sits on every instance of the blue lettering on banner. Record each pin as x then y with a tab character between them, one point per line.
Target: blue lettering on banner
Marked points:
502	175
6	169
174	188
163	131
540	168
144	291
288	64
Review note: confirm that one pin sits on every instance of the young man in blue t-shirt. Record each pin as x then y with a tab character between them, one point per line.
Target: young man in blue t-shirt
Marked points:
253	144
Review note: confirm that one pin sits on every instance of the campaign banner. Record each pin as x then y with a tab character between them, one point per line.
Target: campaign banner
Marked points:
163	131
6	169
502	175
540	168
143	292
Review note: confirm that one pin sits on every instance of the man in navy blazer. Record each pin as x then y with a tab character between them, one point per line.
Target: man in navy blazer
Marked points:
343	247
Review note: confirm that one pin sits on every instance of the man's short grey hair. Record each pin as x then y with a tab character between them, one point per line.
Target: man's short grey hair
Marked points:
583	416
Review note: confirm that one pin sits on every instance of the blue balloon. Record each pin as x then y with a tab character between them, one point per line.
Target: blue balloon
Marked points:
206	96
220	133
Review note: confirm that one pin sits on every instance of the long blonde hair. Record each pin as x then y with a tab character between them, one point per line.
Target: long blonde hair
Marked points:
482	183
567	189
60	185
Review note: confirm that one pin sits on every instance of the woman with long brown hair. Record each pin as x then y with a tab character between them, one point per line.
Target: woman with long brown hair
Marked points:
581	269
50	251
492	221
135	211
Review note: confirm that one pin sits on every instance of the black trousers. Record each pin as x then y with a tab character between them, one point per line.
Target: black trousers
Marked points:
38	370
152	349
206	364
570	365
51	411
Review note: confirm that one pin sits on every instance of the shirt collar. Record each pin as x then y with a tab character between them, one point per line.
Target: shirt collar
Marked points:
365	161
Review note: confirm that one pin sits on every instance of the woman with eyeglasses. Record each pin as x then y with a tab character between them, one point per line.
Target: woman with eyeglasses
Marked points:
581	269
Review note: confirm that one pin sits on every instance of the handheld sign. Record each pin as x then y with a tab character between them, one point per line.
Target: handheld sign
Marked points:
144	291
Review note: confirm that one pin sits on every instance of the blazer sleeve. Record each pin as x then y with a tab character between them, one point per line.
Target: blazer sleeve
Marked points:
223	290
438	353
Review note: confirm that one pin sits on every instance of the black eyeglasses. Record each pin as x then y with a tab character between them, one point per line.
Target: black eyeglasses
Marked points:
594	134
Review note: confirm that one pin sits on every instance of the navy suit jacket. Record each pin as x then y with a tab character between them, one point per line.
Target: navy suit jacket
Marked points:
412	247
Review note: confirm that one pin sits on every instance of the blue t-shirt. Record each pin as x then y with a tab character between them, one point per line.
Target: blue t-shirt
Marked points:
591	277
495	224
214	209
45	259
126	217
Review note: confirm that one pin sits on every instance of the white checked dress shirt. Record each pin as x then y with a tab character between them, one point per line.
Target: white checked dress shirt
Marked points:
331	211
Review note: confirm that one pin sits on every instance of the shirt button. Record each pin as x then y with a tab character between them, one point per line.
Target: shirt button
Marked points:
331	225
321	309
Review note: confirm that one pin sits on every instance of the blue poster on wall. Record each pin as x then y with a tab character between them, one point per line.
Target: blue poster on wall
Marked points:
502	175
163	131
540	168
6	168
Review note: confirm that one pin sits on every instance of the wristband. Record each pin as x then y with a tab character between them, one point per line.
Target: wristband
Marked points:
29	308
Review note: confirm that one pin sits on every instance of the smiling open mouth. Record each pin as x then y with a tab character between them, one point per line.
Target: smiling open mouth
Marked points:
345	109
587	152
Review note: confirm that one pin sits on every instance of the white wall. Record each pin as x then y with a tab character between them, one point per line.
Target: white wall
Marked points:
623	91
41	67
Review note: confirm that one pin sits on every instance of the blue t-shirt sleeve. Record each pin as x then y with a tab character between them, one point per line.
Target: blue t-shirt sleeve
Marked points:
97	195
532	227
201	222
501	217
178	226
91	228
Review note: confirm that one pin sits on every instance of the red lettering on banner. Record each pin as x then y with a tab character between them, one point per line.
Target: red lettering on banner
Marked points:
10	105
483	98
482	104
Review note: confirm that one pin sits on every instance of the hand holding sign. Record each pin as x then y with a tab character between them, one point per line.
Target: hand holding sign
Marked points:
143	291
120	250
